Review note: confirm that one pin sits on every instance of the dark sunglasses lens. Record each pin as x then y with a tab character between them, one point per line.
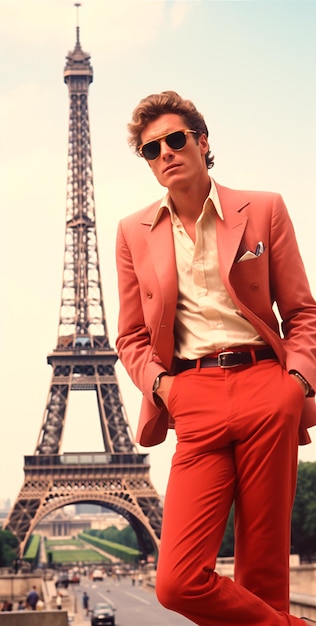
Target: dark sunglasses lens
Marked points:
151	150
176	140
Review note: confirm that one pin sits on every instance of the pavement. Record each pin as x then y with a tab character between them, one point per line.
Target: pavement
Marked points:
76	614
70	603
78	619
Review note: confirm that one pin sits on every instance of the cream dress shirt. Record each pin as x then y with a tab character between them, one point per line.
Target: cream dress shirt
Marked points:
207	319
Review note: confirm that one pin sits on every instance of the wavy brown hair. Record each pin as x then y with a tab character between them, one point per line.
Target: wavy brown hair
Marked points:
155	105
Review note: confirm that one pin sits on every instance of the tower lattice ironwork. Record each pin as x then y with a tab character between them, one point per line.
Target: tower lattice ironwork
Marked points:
117	477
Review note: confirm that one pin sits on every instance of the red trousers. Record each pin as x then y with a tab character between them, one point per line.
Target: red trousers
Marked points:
237	432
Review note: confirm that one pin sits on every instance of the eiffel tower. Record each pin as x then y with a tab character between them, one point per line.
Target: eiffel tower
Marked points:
117	478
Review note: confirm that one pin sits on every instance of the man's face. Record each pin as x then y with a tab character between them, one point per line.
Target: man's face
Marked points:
176	169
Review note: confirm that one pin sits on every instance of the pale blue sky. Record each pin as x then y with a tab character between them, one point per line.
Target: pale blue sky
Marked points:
249	66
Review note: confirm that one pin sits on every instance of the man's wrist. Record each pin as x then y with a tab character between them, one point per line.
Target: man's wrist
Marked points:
157	381
303	380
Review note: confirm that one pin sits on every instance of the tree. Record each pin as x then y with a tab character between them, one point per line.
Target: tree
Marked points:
126	536
303	517
304	512
8	548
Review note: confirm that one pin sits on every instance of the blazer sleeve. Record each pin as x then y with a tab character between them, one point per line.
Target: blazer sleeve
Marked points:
134	340
291	291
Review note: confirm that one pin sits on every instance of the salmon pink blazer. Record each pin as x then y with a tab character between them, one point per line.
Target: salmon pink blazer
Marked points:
147	282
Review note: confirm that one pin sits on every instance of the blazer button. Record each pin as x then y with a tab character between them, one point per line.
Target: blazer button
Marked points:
254	286
149	294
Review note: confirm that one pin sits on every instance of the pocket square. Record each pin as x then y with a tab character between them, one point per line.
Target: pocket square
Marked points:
260	248
247	256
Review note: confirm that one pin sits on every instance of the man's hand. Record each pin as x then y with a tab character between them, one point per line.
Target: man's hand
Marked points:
164	388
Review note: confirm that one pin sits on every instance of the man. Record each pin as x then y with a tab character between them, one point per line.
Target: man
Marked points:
85	602
32	598
200	276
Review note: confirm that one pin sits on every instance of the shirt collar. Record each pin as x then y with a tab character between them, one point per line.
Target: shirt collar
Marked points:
166	203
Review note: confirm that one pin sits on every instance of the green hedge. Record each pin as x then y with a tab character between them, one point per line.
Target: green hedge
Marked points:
50	543
124	553
77	556
32	549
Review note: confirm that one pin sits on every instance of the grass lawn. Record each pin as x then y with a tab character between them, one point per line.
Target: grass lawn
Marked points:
73	551
77	556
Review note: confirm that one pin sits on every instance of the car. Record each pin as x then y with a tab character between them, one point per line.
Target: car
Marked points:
103	614
74	578
97	574
62	580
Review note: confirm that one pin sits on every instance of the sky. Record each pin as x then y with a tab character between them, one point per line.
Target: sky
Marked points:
249	67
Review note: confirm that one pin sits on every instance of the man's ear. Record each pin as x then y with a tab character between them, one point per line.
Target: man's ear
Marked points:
204	145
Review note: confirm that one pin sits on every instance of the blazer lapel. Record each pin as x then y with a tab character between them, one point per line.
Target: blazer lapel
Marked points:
161	248
230	230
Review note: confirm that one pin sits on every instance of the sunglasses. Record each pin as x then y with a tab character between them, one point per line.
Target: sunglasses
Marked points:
176	141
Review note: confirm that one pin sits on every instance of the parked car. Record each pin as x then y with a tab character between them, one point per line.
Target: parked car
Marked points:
73	577
62	580
103	615
97	574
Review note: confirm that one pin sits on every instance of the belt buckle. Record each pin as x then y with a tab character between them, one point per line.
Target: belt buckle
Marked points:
223	354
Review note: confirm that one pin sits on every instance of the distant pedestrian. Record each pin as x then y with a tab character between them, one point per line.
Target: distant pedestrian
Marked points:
40	606
85	602
59	601
32	598
21	605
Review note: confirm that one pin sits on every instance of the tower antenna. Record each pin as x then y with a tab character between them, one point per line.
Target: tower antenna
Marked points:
77	5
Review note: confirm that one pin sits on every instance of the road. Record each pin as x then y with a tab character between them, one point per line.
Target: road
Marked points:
135	605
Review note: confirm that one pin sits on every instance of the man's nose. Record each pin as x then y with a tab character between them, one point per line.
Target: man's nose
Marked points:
165	150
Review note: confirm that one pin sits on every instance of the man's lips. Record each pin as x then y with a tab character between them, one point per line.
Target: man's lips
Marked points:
171	167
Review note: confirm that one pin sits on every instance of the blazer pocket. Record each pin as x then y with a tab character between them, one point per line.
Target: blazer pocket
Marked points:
247	256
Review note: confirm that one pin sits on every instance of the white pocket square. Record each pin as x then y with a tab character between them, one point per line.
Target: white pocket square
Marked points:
247	256
253	255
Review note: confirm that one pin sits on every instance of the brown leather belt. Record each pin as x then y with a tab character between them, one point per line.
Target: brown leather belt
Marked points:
226	359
